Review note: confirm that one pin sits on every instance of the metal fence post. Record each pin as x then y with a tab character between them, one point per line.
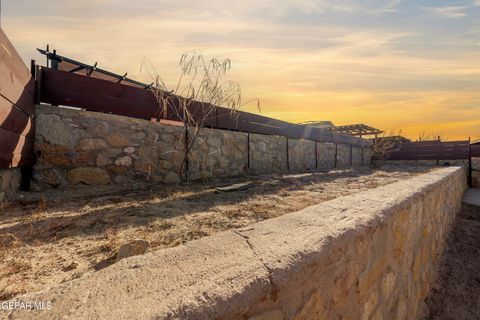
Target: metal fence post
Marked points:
470	182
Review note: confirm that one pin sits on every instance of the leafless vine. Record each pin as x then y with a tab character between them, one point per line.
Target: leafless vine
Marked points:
196	97
385	144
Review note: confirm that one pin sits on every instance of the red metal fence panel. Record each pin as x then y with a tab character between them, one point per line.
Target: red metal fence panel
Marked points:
16	108
432	150
69	89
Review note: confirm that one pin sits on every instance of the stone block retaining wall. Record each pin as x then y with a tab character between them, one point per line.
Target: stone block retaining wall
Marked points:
301	155
372	255
357	156
267	153
343	156
81	147
326	155
9	183
227	154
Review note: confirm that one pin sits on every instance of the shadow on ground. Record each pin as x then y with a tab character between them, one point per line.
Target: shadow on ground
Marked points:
456	292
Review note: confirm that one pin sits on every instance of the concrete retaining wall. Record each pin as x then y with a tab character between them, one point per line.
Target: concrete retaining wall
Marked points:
81	147
372	255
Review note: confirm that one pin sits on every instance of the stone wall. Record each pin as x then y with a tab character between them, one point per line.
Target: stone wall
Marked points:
371	255
343	156
80	147
95	148
268	153
357	156
227	154
367	156
9	183
326	155
301	155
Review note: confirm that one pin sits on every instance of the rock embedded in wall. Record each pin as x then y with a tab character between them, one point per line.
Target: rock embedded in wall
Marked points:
88	175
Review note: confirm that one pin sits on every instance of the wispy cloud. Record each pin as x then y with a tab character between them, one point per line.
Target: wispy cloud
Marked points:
388	64
448	12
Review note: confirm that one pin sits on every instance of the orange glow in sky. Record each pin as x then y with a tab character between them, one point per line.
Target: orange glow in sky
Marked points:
409	65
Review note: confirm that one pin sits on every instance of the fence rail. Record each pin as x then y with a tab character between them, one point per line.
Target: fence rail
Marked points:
432	150
16	108
69	89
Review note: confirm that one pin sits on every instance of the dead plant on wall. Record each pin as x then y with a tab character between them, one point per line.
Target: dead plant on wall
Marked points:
196	97
387	143
430	137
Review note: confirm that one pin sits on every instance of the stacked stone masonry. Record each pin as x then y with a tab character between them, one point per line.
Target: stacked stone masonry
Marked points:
371	255
267	153
326	155
301	155
227	154
9	183
80	147
344	156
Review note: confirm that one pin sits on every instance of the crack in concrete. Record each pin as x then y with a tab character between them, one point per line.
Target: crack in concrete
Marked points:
273	286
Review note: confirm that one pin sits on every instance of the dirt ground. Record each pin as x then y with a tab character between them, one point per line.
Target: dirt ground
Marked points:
456	293
54	237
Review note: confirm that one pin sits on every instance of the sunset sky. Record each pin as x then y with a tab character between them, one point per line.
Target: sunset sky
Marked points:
410	65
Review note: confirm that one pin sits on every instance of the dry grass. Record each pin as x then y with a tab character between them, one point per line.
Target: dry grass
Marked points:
49	242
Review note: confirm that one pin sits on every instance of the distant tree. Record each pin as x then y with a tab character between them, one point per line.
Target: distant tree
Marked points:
430	137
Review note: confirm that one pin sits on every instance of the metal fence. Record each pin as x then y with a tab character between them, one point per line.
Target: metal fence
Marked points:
16	108
70	89
432	150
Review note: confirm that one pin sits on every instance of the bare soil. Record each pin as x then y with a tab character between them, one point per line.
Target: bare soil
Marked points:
54	237
456	292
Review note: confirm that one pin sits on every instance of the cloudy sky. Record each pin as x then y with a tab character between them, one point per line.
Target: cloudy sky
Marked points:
399	64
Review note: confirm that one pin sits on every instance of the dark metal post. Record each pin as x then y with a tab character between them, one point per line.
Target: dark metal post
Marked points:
351	156
336	154
54	61
32	68
469	164
38	85
316	155
438	160
288	157
248	150
186	153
